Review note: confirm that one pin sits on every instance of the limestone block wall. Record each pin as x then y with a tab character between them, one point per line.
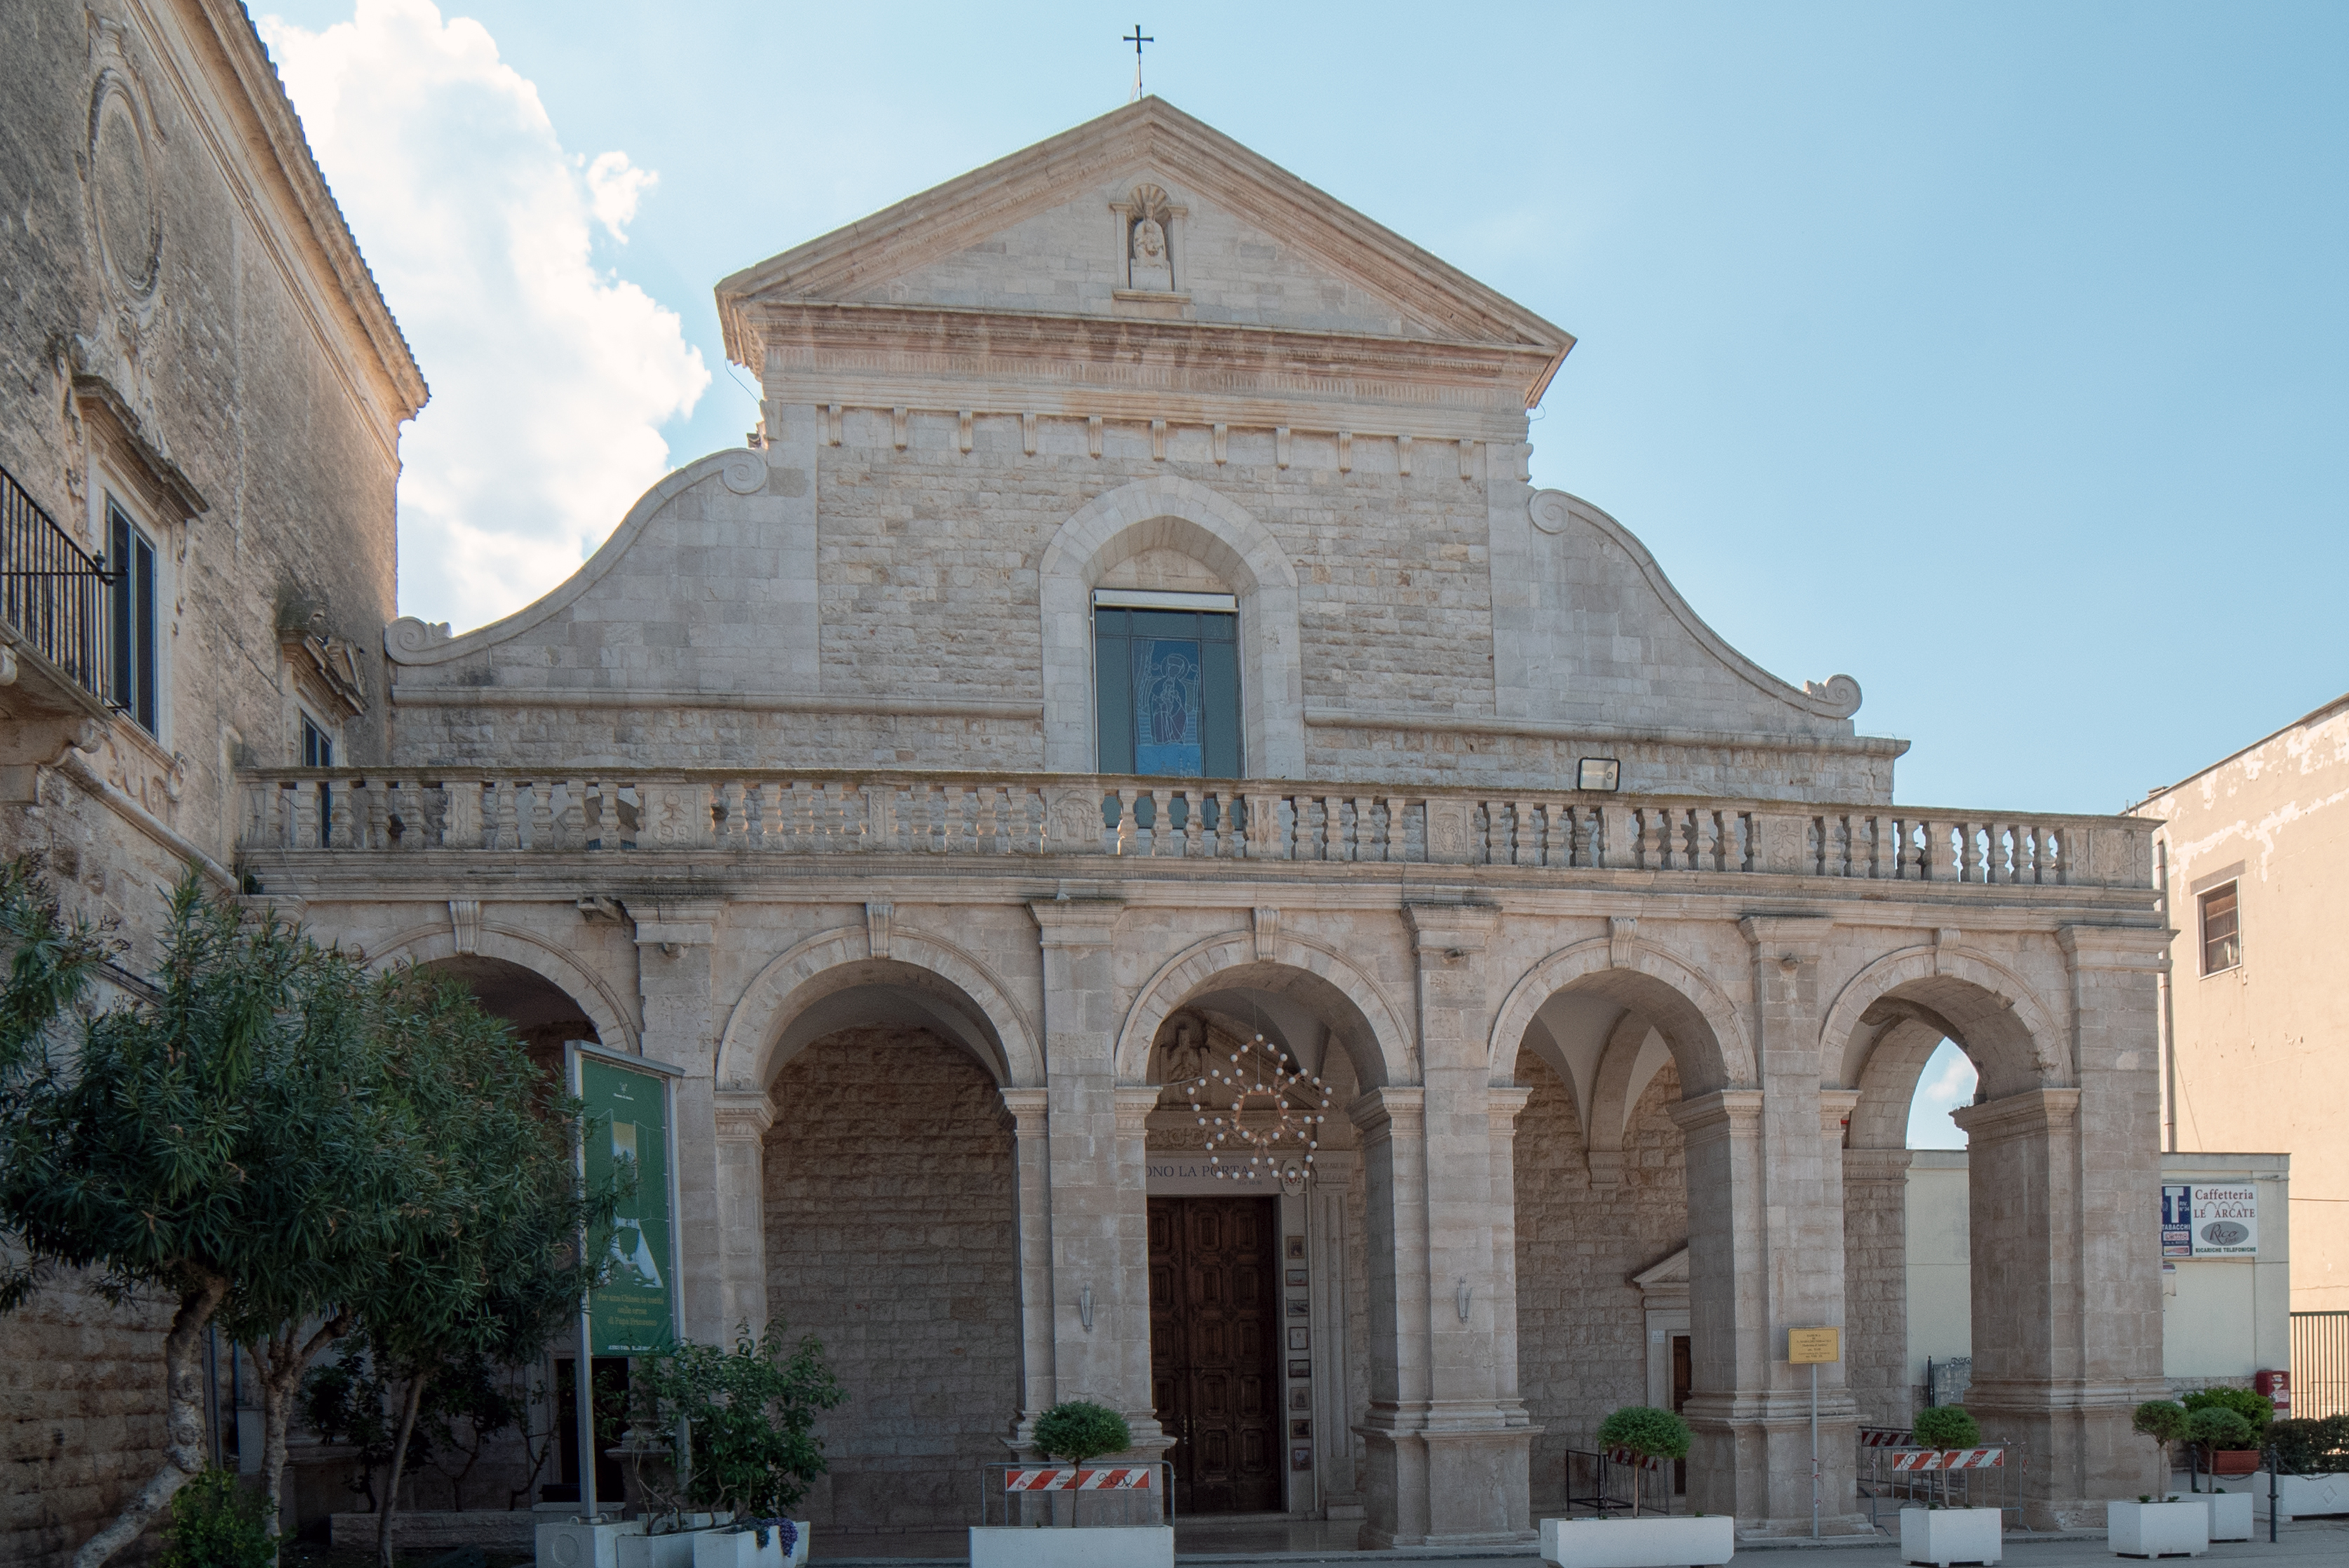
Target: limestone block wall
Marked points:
81	1418
1581	1329
889	1215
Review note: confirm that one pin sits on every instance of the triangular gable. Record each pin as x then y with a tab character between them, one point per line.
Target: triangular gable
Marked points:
858	261
1671	1271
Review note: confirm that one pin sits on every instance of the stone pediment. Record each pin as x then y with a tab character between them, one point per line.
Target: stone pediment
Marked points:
1234	241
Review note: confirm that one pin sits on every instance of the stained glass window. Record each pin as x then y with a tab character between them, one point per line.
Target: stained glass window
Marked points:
1168	690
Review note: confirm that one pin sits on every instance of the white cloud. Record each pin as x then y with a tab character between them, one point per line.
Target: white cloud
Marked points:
1946	1085
550	378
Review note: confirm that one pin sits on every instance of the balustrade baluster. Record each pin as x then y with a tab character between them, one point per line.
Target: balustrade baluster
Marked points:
1127	832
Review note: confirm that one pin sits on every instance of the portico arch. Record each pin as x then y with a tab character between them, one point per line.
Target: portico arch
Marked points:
920	979
430	945
1695	1017
1170	512
1359	1015
1989	1011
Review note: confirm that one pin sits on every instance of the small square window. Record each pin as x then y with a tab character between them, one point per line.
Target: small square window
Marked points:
2222	931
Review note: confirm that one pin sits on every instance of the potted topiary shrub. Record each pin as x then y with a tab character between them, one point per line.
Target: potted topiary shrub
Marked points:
2230	1455
1655	1541
747	1418
1074	1433
1937	1534
2158	1524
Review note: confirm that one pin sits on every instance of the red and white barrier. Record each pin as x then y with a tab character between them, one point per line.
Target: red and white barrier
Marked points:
1951	1459
1134	1478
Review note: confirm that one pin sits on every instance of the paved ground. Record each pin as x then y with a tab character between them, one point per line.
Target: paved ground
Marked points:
1261	1543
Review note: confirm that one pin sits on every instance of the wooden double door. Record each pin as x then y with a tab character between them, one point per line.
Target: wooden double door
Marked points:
1215	1337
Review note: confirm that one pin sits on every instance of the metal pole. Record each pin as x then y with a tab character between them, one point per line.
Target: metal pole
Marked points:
2272	1467
582	1399
1814	1450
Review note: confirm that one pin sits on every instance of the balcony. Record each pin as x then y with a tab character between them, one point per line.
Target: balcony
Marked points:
53	605
1030	822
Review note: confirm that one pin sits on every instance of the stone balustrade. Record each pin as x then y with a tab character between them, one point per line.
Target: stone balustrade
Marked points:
398	811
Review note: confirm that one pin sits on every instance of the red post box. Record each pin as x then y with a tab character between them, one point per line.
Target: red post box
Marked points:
2276	1385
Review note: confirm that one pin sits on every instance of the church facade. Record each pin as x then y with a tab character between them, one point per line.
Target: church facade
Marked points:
1128	662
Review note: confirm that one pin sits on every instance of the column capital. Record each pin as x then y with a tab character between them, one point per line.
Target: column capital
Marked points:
1381	1113
676	922
1451	927
2019	1115
1723	1112
1134	1104
742	1114
1066	922
1876	1164
1503	1106
1836	1105
2144	947
1026	1110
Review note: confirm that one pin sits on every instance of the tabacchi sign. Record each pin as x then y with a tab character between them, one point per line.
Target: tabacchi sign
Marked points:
2210	1220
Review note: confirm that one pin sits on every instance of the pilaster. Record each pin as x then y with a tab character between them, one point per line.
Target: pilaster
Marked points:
1025	1110
741	1119
676	953
1876	1284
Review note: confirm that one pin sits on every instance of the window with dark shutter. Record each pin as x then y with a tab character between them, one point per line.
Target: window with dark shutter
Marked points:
1167	683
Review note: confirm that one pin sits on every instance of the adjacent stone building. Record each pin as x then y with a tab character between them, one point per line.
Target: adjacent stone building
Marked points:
1131	636
201	395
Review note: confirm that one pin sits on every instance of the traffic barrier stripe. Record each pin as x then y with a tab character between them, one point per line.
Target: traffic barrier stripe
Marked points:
1951	1459
1135	1477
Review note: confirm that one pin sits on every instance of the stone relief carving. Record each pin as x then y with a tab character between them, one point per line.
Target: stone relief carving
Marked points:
1150	258
744	472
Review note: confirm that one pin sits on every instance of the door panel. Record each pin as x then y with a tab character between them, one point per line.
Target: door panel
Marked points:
1213	1309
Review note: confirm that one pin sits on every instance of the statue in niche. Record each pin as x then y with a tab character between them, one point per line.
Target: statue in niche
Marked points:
1151	268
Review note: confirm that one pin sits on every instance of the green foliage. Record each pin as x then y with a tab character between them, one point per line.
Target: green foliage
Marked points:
1647	1431
2309	1446
217	1523
2163	1420
2216	1426
751	1412
1945	1427
2257	1410
1078	1429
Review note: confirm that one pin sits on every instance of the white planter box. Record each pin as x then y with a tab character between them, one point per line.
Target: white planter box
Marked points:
729	1548
1658	1542
1942	1536
673	1551
1088	1546
571	1544
2157	1528
2298	1496
2231	1515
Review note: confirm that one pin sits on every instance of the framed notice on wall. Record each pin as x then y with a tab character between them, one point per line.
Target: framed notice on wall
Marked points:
2210	1220
629	1117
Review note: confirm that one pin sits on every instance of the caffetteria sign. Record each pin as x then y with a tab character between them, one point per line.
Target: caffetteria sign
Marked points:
2210	1220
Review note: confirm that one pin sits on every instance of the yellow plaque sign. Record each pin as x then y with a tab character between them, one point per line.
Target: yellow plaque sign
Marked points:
1806	1347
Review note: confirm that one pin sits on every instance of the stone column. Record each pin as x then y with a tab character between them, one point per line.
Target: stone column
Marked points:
1097	1204
1502	1108
1876	1284
1730	1341
1448	1448
741	1119
1024	1108
1333	1446
676	948
1802	1241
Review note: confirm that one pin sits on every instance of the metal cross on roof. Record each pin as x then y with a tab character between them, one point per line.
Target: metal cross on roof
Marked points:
1137	38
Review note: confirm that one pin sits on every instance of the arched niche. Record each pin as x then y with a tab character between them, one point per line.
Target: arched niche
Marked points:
1300	981
1153	517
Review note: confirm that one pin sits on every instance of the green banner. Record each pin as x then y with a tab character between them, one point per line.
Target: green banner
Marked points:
628	1119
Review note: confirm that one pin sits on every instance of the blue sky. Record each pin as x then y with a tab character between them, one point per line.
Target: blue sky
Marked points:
1993	354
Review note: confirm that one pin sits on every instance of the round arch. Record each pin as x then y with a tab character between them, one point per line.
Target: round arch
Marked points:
841	959
519	947
1697	1021
1358	1015
1170	512
1985	1007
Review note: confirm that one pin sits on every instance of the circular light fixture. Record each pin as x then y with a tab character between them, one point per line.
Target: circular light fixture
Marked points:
1274	1102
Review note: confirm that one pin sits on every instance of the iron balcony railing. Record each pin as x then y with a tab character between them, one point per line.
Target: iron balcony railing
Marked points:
52	593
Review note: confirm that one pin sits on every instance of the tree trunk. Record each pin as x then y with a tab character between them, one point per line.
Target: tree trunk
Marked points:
184	1449
282	1361
399	1462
